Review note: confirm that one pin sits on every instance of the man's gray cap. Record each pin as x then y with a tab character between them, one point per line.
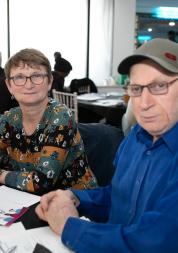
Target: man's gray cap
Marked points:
162	51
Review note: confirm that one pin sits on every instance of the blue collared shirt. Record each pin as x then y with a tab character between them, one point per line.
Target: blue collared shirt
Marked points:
138	212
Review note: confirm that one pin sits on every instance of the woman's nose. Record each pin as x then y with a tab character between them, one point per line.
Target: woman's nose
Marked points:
29	83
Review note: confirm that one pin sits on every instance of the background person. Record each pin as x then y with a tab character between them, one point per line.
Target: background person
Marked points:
62	68
40	145
172	35
138	212
6	100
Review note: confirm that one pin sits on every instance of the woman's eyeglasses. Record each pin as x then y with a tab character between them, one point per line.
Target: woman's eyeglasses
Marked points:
20	80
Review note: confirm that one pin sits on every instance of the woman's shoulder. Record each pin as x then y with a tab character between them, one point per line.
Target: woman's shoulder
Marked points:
13	115
10	119
58	113
57	107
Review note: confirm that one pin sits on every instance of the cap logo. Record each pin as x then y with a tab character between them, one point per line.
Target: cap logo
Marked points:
170	56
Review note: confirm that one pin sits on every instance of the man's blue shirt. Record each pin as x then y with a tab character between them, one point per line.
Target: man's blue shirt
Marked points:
138	212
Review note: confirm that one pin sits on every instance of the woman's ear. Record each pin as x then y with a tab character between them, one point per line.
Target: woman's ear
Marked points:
8	85
50	83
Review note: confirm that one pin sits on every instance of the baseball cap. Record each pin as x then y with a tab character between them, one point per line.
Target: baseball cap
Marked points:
162	51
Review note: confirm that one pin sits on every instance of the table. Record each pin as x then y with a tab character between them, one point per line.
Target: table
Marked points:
92	107
30	219
36	237
13	198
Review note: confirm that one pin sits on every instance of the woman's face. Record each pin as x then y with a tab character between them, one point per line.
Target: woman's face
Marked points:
30	93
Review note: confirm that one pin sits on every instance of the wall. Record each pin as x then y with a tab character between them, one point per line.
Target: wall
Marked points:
124	30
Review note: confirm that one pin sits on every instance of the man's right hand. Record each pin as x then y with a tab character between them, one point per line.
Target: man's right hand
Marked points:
56	207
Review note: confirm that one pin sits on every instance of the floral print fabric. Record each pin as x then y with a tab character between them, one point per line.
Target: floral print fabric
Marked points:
52	157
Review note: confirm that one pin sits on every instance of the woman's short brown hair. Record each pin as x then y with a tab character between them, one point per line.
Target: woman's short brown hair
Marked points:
30	56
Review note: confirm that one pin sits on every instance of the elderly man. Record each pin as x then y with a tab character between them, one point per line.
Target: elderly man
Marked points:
138	212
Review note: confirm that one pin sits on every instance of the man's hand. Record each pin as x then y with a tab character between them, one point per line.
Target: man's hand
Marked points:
56	207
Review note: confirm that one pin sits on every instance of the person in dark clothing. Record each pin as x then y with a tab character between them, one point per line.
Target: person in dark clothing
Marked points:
62	65
172	35
58	82
62	68
6	100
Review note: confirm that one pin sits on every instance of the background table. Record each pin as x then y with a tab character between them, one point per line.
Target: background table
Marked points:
94	107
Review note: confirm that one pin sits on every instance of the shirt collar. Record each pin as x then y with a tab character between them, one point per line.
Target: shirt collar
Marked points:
169	138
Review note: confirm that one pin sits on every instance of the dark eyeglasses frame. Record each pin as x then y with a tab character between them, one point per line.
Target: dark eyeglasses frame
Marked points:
149	86
29	77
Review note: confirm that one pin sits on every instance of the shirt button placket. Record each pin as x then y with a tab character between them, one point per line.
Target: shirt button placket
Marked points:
148	152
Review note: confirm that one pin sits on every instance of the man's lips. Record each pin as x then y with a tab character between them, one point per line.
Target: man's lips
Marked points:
148	118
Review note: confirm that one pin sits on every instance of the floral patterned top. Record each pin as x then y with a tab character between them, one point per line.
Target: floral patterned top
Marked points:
52	157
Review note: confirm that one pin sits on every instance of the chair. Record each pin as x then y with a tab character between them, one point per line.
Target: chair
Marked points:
69	99
128	119
101	142
81	86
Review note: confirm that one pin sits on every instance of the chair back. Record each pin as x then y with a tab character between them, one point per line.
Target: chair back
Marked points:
69	99
81	86
101	143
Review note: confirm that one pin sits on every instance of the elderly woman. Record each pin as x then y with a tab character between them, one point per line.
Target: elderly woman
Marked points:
40	146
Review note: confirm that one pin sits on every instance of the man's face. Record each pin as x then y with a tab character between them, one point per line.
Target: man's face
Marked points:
155	113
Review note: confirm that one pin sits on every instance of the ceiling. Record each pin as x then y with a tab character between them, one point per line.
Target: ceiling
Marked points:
160	28
147	5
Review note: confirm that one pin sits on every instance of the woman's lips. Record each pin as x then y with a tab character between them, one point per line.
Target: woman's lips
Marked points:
31	93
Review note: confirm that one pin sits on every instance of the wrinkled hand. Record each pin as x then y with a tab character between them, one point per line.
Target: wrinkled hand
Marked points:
56	207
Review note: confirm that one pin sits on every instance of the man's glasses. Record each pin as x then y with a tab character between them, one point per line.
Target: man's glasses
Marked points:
161	88
20	80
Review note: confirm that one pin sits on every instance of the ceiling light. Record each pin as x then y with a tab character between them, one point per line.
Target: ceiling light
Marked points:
150	29
144	38
172	23
166	12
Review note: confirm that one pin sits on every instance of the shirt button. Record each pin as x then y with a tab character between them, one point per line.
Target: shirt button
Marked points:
137	182
131	211
148	152
68	245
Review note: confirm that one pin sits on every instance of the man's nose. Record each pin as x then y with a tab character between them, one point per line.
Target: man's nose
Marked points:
147	99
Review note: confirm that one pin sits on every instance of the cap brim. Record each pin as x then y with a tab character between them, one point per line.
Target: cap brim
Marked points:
126	64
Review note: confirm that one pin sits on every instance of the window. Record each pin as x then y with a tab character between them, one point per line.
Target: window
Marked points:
58	25
3	31
101	27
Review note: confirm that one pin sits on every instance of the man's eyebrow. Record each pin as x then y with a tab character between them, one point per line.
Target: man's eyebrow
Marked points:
156	80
